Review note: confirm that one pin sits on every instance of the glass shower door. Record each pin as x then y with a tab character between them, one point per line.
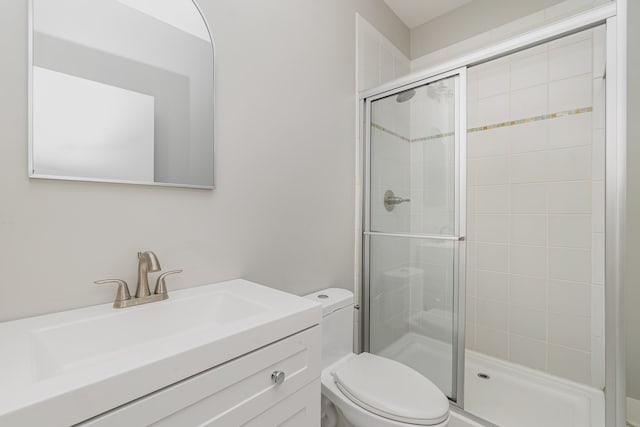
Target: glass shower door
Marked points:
412	229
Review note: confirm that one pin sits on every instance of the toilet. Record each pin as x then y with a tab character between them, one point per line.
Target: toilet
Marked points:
370	390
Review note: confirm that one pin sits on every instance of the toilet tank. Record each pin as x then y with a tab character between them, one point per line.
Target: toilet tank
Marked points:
337	323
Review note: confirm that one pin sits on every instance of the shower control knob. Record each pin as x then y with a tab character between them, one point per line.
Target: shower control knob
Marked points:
391	200
277	377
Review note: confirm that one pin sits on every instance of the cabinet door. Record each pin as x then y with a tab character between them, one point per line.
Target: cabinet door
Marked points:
302	409
232	394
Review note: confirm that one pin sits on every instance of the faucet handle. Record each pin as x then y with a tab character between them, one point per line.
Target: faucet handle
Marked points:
123	290
161	286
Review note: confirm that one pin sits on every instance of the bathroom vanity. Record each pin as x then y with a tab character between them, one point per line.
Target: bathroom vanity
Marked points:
229	354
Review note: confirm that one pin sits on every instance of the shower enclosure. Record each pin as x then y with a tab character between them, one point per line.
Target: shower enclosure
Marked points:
483	228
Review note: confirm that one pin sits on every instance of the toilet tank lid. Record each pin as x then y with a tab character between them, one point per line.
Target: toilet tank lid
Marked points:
332	299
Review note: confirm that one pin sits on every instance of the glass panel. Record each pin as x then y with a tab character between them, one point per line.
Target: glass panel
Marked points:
411	305
413	160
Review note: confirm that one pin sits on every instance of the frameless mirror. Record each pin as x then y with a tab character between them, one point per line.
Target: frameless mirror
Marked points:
121	91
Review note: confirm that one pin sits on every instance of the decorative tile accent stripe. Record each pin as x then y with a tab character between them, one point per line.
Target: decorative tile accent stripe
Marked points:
532	119
404	138
488	127
390	132
436	136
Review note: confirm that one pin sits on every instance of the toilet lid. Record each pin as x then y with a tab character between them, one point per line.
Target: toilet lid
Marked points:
391	390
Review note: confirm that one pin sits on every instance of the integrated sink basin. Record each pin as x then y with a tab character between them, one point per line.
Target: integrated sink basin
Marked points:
119	332
76	364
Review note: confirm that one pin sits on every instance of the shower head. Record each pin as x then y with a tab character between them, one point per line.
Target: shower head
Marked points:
406	95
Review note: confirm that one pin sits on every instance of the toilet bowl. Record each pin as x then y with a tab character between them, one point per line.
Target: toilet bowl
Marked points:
370	390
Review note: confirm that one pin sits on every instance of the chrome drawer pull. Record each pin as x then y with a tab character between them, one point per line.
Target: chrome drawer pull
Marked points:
277	377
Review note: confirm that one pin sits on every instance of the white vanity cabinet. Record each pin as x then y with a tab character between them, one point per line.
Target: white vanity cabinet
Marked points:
240	392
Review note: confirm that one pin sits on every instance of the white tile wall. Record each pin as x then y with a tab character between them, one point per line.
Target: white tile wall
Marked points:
492	285
571	131
379	61
493	257
491	198
527	229
528	260
528	292
570	331
528	322
493	79
493	342
494	109
569	298
529	70
491	314
528	102
573	231
569	363
570	197
528	352
570	60
536	210
527	198
570	93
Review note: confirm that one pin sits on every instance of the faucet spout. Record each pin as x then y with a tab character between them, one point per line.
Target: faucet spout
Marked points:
147	263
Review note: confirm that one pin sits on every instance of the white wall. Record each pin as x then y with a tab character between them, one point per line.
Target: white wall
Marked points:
282	214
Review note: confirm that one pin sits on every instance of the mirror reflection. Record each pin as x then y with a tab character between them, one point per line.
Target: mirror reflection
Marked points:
122	90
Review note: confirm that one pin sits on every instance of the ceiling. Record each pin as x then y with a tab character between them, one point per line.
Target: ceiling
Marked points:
416	12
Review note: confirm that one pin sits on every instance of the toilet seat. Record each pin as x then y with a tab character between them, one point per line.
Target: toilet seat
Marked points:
391	390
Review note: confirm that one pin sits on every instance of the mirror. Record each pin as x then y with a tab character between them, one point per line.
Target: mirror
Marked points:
121	91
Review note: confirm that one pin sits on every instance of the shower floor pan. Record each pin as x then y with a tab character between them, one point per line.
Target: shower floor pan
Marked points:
501	392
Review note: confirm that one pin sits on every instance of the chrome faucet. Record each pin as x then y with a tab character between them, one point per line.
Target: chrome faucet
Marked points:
147	263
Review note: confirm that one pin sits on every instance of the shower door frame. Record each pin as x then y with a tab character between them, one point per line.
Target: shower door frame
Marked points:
614	16
460	221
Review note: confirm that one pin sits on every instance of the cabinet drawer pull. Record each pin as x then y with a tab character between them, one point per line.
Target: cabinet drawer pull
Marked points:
277	377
